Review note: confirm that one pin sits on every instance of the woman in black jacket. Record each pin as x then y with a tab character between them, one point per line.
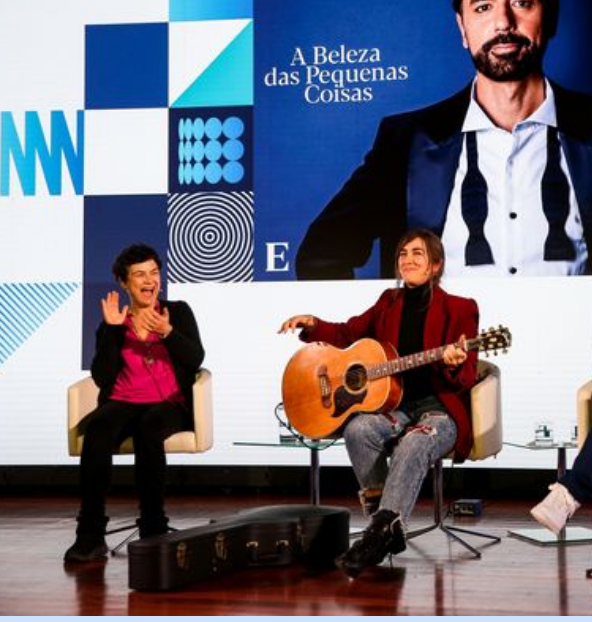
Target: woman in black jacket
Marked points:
147	355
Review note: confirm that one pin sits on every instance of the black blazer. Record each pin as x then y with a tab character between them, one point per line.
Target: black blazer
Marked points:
406	181
183	343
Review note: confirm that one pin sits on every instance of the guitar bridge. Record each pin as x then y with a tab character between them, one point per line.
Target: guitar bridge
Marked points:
324	386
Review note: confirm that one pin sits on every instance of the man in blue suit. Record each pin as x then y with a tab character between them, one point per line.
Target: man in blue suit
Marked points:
502	170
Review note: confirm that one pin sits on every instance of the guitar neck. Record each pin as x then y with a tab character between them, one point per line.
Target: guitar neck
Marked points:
411	361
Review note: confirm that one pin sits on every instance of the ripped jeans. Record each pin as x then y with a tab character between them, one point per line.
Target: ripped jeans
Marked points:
394	453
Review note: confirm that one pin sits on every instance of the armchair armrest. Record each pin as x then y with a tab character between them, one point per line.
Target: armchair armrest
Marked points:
584	411
82	399
203	416
486	415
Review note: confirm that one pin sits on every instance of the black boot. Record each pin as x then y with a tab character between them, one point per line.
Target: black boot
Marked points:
90	541
384	535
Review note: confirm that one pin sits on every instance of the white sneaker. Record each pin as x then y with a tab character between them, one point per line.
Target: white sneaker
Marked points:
556	508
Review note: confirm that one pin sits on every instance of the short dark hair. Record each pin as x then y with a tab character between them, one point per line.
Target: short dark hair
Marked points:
136	253
551	14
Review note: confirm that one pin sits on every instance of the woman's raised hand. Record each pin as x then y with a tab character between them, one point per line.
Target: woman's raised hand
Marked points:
298	321
111	312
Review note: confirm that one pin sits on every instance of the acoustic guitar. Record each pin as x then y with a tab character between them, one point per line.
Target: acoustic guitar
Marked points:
323	386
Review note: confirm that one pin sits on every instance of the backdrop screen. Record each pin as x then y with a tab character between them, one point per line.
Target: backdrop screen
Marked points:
218	132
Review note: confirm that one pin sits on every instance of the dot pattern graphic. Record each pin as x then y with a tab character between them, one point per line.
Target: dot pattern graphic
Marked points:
210	150
211	237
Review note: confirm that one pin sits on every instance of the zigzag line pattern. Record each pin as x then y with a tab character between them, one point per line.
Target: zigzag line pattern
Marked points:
23	309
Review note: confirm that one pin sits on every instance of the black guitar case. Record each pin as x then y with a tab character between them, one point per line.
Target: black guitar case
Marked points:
268	536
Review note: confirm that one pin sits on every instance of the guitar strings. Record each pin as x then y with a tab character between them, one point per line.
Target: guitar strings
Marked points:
357	375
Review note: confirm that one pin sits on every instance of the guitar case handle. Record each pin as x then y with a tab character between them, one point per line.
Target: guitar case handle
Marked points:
282	553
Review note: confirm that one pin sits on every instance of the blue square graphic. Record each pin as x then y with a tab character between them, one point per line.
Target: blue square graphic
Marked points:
210	149
126	66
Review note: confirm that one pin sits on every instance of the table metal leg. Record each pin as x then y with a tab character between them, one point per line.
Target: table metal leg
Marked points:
561	462
315	492
561	469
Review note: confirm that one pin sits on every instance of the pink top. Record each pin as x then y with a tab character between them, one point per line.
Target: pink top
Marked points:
147	375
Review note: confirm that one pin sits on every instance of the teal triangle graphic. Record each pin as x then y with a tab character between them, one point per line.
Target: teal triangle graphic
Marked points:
228	81
23	309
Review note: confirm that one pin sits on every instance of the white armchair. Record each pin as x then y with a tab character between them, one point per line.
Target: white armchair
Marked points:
82	399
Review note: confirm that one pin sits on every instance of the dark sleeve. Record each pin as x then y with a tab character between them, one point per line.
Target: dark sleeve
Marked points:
107	359
344	334
370	206
184	341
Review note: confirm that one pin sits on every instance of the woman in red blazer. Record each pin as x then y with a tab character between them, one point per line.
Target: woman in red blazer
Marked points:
392	452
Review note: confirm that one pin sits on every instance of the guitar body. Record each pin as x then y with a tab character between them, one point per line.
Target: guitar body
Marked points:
323	385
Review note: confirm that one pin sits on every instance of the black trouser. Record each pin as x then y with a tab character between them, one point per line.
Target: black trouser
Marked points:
104	430
579	480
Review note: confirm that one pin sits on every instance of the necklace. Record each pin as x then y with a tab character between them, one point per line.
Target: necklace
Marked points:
148	357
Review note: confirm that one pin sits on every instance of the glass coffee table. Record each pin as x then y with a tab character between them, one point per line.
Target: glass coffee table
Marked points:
542	536
314	446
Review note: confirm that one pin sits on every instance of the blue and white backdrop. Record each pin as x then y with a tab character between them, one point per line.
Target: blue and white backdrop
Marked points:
215	130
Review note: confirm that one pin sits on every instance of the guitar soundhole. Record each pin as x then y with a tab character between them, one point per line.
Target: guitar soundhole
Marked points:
356	378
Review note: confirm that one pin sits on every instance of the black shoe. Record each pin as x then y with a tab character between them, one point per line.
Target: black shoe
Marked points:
384	535
87	548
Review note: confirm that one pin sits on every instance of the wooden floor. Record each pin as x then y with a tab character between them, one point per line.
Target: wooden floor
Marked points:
432	577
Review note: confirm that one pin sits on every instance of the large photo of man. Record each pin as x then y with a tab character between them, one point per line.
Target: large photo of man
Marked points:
500	170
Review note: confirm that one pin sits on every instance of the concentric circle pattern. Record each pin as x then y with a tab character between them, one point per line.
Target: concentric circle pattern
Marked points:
210	237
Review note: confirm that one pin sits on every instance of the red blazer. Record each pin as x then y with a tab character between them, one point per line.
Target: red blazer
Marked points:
447	319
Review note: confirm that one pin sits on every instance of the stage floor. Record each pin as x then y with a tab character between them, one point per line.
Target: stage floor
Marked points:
434	576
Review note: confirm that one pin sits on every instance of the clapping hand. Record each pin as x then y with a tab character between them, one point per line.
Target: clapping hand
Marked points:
157	322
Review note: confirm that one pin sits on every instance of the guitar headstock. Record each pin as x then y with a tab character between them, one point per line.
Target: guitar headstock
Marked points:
494	340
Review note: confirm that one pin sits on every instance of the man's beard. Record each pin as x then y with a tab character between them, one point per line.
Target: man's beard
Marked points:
527	60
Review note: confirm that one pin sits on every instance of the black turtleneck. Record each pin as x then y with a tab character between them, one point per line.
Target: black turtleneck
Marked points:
416	382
